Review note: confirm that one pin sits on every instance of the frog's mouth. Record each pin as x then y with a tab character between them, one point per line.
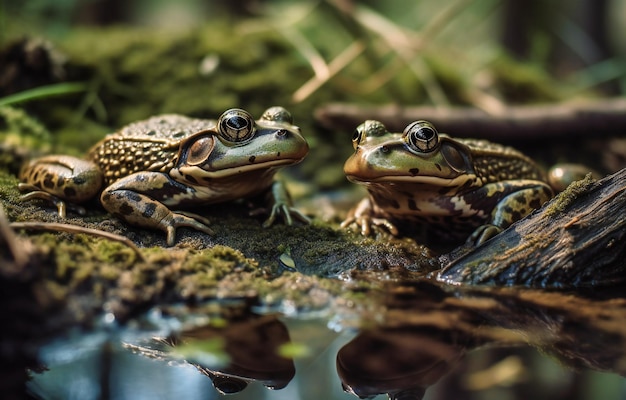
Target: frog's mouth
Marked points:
240	169
253	167
437	181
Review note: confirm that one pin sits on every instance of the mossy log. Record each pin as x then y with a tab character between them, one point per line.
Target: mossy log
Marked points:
578	239
515	122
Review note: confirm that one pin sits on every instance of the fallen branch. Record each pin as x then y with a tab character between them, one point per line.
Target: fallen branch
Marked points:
576	240
515	122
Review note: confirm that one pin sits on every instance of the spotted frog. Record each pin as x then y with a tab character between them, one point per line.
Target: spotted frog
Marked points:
458	188
150	167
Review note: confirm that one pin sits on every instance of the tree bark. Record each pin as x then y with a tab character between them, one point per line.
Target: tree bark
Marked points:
578	239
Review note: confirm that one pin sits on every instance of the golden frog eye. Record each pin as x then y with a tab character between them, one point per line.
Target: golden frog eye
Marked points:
421	136
236	125
277	114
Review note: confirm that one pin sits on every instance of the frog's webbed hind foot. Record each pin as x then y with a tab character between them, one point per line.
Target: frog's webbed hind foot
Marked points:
34	193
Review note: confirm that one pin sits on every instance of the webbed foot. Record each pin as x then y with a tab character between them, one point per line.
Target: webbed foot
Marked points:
281	206
362	216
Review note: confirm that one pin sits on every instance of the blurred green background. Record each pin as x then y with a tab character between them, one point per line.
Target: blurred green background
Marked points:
101	64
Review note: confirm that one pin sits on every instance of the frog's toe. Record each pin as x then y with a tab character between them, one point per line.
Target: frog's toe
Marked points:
482	234
361	222
345	224
171	235
49	198
184	220
194	216
287	213
278	209
368	224
365	223
299	215
382	222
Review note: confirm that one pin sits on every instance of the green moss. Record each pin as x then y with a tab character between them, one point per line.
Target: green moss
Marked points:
8	188
114	253
571	193
19	129
228	258
20	137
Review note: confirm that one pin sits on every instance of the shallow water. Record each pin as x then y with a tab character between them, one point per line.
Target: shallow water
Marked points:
419	340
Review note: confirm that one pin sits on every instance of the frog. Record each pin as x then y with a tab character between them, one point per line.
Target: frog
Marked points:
460	189
150	172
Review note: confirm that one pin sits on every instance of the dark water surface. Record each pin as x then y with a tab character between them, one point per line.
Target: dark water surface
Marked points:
417	340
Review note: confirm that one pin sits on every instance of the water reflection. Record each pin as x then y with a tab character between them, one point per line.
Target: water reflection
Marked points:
428	333
429	328
252	347
399	361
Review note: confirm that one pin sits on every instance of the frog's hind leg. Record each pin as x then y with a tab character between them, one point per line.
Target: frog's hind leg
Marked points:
138	199
60	180
511	208
519	204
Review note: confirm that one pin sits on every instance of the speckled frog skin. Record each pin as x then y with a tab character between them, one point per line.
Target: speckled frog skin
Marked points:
171	161
457	188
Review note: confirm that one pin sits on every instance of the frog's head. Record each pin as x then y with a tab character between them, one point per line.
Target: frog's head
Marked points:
418	155
239	144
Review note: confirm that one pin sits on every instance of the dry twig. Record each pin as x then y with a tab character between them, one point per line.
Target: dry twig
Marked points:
55	227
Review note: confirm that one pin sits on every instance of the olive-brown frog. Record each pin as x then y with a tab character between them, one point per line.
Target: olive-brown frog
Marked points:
148	168
458	188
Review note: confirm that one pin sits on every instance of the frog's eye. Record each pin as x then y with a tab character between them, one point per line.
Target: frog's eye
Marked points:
421	136
357	136
369	128
236	125
277	114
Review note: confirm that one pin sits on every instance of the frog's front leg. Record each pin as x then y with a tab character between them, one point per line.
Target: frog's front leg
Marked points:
364	216
139	200
281	204
511	208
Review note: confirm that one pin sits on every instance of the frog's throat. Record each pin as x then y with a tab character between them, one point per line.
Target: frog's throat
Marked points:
241	169
426	180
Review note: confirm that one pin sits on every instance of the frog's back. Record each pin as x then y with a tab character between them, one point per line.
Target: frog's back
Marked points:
494	162
168	127
148	145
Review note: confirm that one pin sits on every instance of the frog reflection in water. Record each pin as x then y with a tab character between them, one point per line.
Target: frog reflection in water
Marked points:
458	188
174	161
